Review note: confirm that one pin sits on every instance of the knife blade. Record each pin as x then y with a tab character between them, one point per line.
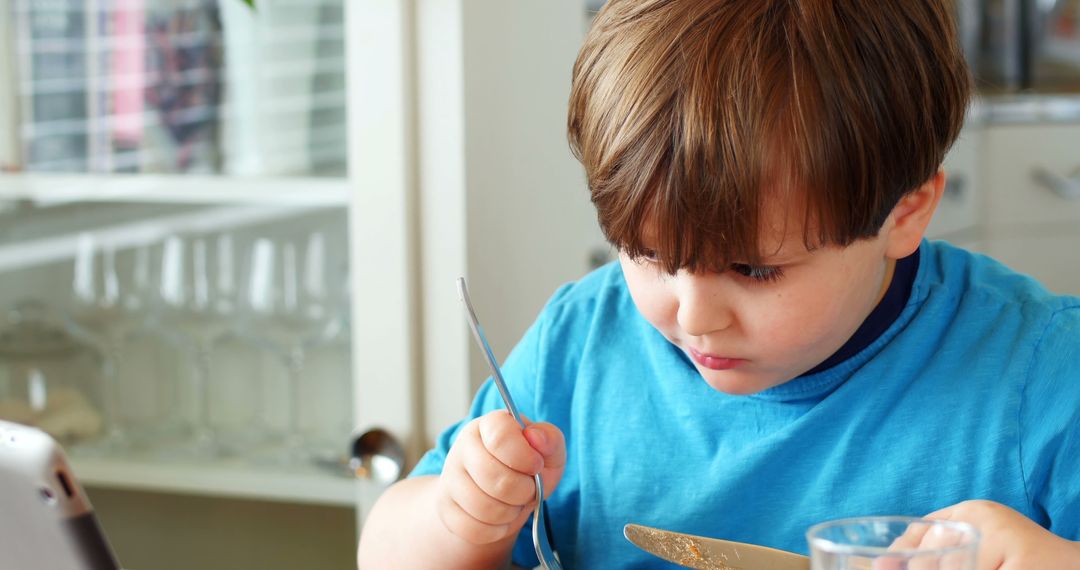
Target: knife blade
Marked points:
711	553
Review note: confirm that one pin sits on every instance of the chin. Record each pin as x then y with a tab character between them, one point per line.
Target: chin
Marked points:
735	383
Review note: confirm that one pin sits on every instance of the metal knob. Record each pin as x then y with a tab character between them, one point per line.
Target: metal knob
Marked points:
956	187
1065	187
377	455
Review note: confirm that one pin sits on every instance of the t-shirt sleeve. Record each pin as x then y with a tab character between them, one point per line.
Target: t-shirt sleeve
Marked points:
1050	425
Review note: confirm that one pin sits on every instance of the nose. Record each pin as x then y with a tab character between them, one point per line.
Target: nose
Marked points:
703	306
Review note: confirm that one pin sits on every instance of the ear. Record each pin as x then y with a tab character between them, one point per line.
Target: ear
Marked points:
907	222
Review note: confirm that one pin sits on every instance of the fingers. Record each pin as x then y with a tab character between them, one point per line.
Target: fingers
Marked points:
939	542
984	516
496	478
463	525
487	487
911	539
483	505
925	545
470	529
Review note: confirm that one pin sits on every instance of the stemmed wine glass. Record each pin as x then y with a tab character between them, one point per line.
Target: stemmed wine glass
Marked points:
198	300
139	359
328	365
244	365
97	316
291	311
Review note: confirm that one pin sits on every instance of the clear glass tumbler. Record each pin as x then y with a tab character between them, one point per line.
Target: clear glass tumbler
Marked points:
892	543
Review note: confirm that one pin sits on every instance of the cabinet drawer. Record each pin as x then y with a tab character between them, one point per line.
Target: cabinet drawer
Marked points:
1012	154
1052	259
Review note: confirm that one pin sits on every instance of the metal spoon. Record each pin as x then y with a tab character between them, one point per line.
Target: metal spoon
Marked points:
541	538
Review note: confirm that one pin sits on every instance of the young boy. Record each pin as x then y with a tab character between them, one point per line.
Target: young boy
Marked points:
777	345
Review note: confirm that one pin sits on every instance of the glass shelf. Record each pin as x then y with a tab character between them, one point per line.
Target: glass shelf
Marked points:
51	189
43	216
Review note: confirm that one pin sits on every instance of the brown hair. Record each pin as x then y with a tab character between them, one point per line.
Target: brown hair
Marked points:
686	113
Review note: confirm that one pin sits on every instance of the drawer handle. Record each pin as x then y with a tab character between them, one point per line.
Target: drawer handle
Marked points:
1065	187
955	187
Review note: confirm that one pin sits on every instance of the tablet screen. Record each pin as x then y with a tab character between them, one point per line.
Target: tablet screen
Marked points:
46	521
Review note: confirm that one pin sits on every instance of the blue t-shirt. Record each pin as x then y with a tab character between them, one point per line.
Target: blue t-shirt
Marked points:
973	392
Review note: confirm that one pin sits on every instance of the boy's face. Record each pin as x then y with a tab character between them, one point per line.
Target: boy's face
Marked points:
751	328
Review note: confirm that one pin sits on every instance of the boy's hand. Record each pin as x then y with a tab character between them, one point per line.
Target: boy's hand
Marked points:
486	490
1011	541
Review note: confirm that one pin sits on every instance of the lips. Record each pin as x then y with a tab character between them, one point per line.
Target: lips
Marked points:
713	362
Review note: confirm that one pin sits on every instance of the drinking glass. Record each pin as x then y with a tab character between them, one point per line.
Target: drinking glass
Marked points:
892	543
49	377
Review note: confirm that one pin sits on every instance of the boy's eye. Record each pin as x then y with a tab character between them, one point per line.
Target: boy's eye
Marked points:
648	255
762	273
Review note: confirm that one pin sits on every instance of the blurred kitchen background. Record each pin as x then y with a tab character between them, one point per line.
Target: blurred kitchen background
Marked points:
228	237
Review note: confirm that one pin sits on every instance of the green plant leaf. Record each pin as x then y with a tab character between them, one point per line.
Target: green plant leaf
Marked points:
250	3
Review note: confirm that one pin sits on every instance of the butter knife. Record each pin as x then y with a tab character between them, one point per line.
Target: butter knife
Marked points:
711	553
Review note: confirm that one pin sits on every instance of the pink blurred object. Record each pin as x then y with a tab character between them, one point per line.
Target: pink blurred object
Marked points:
128	65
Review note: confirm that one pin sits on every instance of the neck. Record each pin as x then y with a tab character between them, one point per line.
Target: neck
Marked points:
890	269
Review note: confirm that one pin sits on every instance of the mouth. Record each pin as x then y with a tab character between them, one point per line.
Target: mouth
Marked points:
713	362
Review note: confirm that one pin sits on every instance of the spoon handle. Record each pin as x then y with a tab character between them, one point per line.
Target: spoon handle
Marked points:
540	529
478	334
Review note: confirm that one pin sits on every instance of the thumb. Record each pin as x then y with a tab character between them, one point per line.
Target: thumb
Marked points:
549	442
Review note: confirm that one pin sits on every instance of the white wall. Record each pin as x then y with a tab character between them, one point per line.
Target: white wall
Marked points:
502	201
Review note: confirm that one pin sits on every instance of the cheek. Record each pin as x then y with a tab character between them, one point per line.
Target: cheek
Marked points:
650	295
800	318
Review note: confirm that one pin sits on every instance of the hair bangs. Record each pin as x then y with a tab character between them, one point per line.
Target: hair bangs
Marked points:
688	208
707	128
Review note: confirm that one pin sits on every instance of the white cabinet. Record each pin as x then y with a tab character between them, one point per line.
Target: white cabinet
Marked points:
1031	221
457	165
48	213
1015	160
1013	188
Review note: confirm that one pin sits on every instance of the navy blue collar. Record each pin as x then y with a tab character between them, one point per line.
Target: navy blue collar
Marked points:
883	315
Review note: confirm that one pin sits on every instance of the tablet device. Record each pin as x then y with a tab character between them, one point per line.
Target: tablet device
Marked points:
46	521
